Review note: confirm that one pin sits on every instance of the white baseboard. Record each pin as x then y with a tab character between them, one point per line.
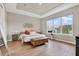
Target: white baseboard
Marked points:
9	40
65	41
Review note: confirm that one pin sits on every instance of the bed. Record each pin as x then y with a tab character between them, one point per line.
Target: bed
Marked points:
32	35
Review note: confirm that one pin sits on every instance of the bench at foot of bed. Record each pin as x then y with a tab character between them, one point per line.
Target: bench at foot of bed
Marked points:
39	41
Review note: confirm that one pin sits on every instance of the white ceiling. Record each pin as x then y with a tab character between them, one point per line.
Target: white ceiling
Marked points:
36	9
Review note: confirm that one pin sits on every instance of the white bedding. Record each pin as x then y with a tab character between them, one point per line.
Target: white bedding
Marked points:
27	38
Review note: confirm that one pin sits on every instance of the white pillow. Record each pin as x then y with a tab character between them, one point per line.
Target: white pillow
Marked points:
33	33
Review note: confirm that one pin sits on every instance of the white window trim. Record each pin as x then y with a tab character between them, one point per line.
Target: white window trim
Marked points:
61	33
61	28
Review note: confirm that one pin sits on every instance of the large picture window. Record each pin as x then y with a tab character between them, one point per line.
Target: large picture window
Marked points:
67	24
61	25
57	25
49	25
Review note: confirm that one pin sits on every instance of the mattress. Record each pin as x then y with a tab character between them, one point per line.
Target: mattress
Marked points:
27	38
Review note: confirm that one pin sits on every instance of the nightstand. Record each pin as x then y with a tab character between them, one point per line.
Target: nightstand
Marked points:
15	37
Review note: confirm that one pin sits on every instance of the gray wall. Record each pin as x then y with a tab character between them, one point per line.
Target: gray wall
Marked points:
75	12
16	21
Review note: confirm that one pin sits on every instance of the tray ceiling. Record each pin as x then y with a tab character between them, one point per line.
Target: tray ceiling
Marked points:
37	8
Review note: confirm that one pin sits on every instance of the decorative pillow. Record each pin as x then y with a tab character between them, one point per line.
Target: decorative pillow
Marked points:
33	33
27	32
22	32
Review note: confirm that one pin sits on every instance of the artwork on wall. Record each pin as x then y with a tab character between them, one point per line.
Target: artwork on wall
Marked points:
28	25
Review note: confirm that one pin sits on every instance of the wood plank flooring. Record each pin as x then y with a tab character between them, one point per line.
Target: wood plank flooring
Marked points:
53	48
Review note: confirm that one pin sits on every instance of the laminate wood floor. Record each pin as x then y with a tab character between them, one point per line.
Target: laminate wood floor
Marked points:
53	48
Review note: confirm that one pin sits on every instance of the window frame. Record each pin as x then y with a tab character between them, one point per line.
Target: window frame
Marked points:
71	25
60	25
61	33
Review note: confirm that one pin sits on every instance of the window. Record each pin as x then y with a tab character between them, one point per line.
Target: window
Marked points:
61	25
49	25
67	24
57	25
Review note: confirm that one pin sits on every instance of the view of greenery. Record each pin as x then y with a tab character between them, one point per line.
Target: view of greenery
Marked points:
61	24
67	29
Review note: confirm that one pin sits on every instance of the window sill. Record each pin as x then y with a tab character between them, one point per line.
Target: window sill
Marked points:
63	34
